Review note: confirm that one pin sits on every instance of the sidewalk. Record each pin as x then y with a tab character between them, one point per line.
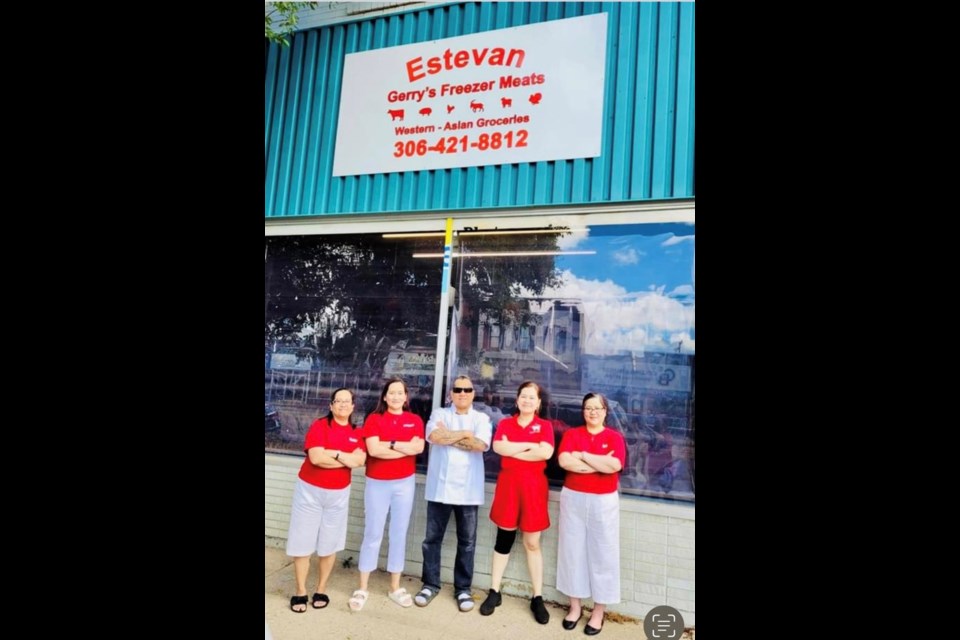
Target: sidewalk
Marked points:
381	619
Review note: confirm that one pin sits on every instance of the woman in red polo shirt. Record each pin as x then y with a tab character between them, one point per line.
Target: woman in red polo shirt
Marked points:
525	442
394	439
588	552
318	516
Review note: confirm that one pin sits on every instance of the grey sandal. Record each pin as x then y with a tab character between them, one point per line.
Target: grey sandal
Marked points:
425	596
465	601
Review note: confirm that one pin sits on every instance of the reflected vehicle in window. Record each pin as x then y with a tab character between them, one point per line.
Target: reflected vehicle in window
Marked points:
414	360
569	411
271	418
566	412
494	413
408	359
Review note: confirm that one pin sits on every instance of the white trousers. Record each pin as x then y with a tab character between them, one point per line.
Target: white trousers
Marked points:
588	553
379	497
318	520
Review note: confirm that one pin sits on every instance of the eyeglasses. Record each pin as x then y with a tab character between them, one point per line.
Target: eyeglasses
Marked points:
593	409
342	402
463	389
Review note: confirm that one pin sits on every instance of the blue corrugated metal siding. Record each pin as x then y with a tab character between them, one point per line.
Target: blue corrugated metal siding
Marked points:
648	133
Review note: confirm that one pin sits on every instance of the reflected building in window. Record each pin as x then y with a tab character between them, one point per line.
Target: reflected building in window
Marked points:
542	342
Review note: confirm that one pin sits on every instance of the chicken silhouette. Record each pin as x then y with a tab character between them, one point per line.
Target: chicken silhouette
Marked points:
535	98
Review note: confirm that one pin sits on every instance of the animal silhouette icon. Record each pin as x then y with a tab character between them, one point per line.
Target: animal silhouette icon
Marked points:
395	113
506	102
535	98
476	106
450	108
426	111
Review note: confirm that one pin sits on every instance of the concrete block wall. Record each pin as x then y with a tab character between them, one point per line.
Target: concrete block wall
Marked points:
657	543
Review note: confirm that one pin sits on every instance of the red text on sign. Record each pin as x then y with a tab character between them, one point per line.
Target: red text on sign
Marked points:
461	59
453	144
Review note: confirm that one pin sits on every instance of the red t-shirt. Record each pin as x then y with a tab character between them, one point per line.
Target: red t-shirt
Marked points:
332	437
391	426
608	440
539	430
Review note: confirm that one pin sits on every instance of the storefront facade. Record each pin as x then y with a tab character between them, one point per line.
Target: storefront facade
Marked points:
503	190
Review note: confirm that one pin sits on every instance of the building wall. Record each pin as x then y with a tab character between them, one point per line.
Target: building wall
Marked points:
647	149
657	550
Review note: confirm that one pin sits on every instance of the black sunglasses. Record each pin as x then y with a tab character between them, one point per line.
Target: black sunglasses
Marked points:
463	389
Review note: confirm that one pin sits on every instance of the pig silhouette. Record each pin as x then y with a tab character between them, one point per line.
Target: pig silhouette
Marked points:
426	111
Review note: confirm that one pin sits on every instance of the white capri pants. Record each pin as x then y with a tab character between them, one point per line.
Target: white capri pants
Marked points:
380	496
318	520
588	553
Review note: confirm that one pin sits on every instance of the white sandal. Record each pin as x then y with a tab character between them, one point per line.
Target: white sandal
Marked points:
357	599
401	597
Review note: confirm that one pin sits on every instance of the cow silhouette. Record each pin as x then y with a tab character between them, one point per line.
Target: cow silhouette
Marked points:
450	108
476	106
506	102
535	98
395	113
426	111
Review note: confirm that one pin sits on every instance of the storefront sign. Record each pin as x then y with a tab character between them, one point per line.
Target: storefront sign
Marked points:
601	372
522	94
290	361
409	364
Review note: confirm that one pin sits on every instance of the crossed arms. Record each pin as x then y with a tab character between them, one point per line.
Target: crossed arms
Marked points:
464	440
583	462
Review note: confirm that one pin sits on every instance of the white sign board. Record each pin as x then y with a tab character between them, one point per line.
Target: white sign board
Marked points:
522	94
645	375
411	364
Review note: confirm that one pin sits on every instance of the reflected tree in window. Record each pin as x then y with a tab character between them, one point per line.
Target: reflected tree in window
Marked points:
337	310
349	300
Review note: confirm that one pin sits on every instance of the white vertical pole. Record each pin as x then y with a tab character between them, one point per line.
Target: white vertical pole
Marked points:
444	310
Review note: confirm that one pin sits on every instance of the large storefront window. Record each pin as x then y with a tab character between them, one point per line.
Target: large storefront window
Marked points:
608	309
344	311
576	307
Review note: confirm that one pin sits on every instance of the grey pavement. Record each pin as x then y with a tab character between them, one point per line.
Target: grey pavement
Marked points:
381	619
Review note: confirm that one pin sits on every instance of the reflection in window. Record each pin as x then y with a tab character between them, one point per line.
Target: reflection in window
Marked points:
609	308
344	311
616	317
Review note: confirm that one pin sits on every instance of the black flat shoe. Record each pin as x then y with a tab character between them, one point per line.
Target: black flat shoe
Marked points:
494	599
570	624
540	612
591	631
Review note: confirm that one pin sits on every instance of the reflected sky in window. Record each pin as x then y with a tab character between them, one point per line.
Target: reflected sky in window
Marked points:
637	291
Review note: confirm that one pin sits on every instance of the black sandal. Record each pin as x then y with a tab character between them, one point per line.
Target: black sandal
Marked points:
320	597
295	600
